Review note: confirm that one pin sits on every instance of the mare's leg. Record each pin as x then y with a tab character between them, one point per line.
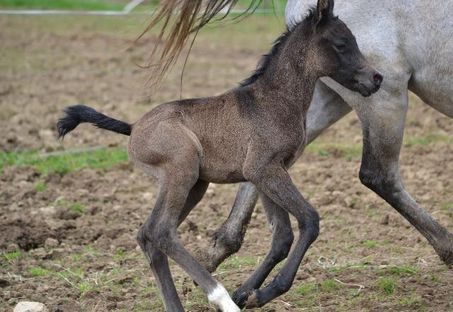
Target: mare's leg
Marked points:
326	108
282	240
383	121
159	231
275	182
158	260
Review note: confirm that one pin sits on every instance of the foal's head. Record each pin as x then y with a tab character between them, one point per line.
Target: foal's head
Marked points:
336	53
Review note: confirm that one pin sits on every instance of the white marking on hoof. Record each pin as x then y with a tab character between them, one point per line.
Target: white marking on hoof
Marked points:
220	297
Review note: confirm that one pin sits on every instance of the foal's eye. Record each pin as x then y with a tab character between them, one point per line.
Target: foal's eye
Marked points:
339	47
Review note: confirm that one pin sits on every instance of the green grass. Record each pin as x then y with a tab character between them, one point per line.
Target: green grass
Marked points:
238	262
40	186
354	151
427	140
62	4
64	163
386	285
77	279
405	270
447	206
370	243
347	151
325	286
12	255
77	208
307	289
330	285
38	271
84	286
414	301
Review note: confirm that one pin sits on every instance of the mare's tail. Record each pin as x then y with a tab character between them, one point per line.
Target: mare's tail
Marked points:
80	113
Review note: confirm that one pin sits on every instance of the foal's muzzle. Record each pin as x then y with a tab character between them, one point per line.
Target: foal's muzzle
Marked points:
368	81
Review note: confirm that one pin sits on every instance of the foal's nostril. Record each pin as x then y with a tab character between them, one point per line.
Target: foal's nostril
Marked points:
377	78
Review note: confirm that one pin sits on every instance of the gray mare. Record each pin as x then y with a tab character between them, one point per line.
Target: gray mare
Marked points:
411	43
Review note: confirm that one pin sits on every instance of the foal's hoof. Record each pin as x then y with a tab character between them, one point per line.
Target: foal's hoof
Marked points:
445	251
252	301
240	297
447	258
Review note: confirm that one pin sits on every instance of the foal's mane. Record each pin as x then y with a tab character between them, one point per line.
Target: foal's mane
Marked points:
266	59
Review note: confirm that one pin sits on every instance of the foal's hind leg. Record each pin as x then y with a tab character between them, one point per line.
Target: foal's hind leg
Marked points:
282	240
160	231
275	182
159	261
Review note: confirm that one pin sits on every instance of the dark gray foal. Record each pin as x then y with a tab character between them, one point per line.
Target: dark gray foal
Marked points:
251	133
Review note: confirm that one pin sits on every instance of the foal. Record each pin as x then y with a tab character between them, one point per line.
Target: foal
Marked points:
251	133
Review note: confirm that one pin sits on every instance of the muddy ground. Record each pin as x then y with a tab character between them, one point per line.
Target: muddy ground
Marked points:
68	240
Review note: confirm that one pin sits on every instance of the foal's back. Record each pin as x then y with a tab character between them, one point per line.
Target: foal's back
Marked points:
213	129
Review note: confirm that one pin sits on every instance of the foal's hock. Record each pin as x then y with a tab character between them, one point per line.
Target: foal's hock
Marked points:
251	133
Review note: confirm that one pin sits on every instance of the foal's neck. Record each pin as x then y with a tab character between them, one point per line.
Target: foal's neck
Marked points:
291	75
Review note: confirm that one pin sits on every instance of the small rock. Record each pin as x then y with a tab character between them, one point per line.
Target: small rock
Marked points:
12	247
147	196
27	306
57	253
39	253
51	242
48	210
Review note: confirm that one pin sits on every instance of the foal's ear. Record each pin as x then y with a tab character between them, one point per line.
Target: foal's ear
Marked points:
324	10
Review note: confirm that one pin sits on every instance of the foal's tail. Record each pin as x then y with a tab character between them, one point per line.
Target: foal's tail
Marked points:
78	114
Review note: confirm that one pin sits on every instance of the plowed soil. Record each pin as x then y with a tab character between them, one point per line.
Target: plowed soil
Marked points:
69	240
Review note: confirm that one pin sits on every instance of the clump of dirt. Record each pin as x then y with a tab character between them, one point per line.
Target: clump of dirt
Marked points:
27	234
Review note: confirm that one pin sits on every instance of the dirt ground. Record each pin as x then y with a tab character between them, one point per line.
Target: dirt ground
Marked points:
69	240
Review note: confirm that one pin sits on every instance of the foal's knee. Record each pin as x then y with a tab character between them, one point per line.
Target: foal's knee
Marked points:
141	238
310	225
157	236
229	241
283	246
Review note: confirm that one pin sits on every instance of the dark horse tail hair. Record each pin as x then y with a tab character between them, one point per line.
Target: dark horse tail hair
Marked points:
78	114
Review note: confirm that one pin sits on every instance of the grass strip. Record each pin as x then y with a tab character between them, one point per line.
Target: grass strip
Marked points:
91	5
102	158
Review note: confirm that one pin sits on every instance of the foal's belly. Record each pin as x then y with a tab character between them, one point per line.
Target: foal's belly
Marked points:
221	175
222	162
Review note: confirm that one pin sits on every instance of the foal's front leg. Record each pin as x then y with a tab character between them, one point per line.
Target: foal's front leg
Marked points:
326	108
228	238
282	240
276	184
